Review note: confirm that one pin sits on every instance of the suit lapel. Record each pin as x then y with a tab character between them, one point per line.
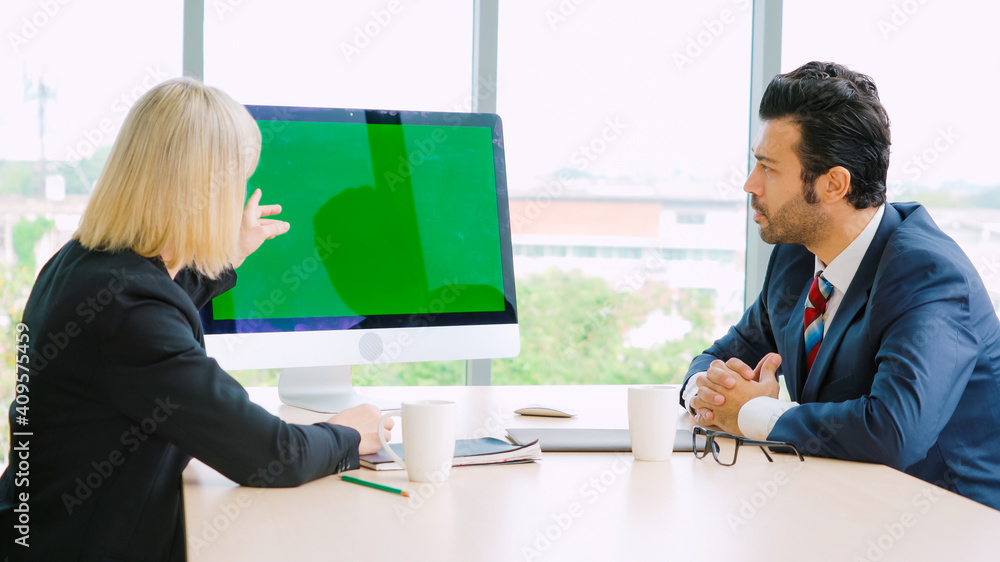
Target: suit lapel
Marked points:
854	303
795	373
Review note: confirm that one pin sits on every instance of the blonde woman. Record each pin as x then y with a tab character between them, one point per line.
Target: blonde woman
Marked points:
121	392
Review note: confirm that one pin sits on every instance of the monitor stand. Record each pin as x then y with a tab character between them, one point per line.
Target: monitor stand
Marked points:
324	389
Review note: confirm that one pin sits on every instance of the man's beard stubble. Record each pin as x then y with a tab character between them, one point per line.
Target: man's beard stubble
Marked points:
796	222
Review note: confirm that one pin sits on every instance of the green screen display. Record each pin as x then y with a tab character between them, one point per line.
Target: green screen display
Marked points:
385	220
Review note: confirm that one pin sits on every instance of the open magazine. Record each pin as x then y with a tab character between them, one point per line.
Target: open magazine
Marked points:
485	450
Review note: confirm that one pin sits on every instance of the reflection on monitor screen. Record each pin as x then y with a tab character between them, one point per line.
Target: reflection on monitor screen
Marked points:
399	250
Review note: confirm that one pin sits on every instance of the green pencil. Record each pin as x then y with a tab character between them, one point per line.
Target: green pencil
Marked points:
374	485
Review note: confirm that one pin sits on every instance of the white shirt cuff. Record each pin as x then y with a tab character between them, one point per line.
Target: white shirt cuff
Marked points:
691	390
758	416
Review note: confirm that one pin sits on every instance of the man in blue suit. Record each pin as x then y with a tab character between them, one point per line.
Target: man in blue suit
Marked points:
881	326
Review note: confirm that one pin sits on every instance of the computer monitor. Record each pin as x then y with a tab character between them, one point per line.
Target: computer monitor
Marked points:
399	250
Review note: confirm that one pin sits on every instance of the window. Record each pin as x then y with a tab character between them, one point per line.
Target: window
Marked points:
674	254
723	256
937	67
690	218
354	54
71	73
629	253
619	189
620	109
372	54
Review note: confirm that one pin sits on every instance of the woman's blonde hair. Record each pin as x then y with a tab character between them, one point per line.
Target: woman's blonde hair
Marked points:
176	178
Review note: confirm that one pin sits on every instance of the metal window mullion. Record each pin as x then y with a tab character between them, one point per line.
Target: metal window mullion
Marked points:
484	100
193	58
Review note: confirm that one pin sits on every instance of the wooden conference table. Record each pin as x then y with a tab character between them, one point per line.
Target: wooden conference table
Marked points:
584	506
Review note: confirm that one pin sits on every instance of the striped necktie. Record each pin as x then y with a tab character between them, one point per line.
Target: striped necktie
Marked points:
819	293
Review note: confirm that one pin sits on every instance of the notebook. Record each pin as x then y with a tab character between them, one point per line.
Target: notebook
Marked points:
570	440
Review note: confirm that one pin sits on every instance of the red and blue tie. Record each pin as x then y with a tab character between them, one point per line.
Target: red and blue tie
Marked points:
819	293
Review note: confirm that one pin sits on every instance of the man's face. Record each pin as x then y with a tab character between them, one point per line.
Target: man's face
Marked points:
776	189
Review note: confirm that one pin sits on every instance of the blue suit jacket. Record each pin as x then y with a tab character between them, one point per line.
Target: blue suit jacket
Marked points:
908	374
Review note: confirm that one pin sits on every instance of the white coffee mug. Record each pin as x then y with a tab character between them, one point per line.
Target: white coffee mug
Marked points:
652	421
428	439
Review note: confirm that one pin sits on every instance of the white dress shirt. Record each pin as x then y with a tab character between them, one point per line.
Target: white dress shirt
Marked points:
758	416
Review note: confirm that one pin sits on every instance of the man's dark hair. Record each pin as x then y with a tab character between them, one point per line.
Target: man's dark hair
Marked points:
842	123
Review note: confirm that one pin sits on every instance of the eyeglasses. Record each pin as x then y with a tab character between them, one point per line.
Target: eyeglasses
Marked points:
726	446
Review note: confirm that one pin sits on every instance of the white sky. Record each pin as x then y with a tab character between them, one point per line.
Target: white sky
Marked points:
563	82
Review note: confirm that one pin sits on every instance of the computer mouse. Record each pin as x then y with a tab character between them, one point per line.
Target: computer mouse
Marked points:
546	411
